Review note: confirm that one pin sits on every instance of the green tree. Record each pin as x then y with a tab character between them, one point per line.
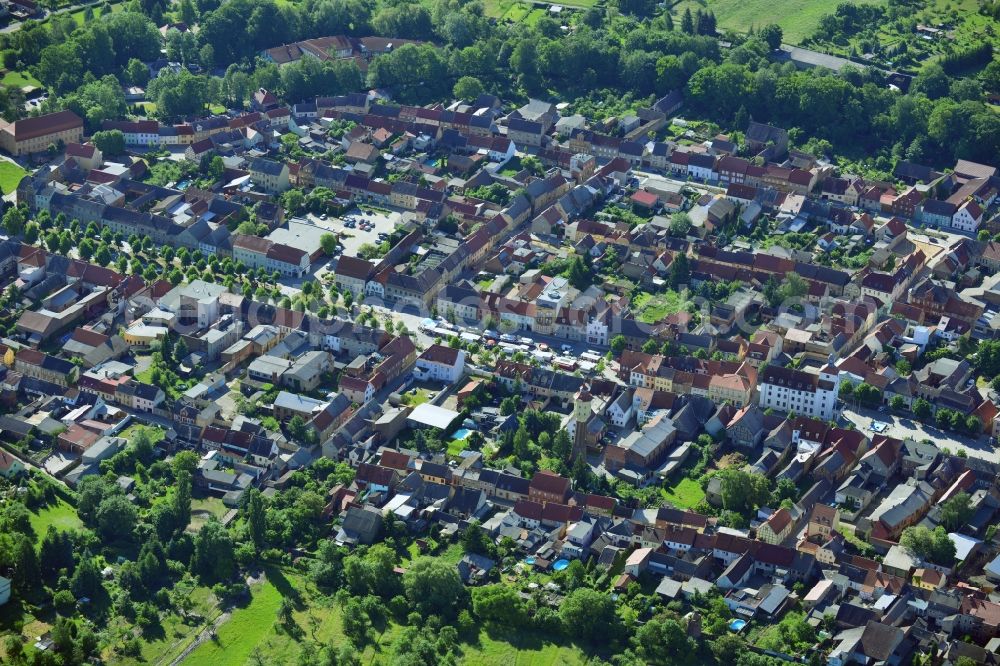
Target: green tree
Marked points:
256	519
618	344
14	221
956	511
587	614
468	88
433	587
499	605
109	142
213	558
664	641
116	518
329	244
680	271
922	408
771	34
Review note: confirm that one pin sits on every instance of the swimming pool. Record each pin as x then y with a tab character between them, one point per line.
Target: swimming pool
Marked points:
529	560
462	433
737	625
559	565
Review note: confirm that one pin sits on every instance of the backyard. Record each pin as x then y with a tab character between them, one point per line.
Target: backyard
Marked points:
252	634
684	494
654	307
60	515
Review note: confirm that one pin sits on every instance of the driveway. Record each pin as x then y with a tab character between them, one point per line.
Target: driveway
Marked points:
906	427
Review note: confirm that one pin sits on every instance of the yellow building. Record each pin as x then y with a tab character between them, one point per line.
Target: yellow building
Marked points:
35	135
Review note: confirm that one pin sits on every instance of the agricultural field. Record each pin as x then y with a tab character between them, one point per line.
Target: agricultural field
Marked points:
797	18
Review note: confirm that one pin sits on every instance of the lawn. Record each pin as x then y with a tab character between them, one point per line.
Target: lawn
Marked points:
203	509
516	11
456	446
238	637
156	434
685	494
251	634
411	399
60	515
19	80
10	175
797	18
654	307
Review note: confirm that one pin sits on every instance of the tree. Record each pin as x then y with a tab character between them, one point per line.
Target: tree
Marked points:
468	88
500	605
181	504
618	344
116	518
256	519
664	641
687	21
213	558
934	545
587	614
772	35
356	623
680	224
13	221
475	540
956	512
921	408
136	73
329	244
897	404
110	142
433	587
743	491
680	271
86	581
579	274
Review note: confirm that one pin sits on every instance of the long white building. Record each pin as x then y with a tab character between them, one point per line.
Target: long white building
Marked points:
803	393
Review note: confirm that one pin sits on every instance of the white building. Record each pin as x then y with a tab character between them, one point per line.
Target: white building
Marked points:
968	217
803	393
440	363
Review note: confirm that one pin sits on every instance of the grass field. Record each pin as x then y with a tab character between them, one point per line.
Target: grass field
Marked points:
654	307
60	515
685	493
19	80
251	634
797	18
237	638
521	10
10	175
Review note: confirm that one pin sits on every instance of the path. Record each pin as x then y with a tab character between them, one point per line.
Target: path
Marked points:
205	635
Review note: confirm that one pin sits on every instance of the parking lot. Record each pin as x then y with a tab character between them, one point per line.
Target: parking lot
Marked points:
349	227
902	427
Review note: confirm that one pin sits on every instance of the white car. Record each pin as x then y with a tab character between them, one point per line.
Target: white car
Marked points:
566	348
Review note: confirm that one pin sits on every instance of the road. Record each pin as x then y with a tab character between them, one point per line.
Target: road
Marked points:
903	427
16	25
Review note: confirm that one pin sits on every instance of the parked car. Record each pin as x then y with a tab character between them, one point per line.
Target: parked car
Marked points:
490	334
507	337
566	348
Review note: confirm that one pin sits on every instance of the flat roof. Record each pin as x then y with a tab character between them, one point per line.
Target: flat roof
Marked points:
433	416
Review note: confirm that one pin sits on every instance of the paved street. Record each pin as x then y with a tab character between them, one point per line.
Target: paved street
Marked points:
903	427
